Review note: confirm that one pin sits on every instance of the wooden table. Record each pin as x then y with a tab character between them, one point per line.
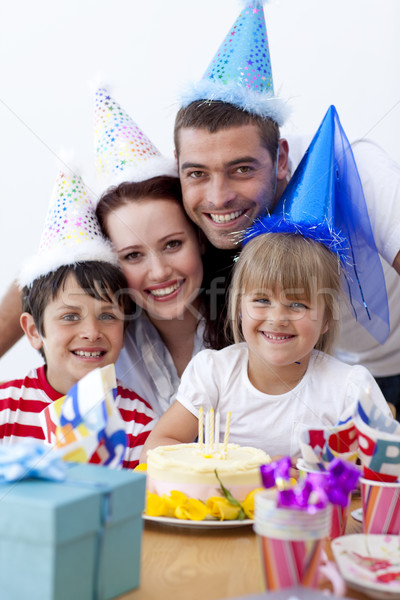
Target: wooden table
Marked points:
179	563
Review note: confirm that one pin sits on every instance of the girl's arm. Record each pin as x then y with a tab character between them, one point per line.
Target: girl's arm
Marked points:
176	426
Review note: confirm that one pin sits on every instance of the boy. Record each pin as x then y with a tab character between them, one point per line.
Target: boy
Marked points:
74	315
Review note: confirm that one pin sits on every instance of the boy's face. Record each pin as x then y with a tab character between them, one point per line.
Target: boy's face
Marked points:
80	334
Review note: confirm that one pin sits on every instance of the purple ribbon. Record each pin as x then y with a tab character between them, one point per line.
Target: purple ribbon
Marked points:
314	492
273	471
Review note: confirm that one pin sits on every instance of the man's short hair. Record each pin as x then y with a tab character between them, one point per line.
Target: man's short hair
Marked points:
100	280
214	115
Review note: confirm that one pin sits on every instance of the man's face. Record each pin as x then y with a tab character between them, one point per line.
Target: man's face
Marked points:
228	178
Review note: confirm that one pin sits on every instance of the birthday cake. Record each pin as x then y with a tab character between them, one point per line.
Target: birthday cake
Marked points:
186	468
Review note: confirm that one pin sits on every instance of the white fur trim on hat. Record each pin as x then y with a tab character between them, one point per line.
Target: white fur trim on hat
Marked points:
47	262
153	167
258	103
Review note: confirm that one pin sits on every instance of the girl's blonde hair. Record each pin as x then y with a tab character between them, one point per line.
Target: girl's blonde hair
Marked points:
301	267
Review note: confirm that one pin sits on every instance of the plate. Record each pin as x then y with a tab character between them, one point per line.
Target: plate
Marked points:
369	563
357	514
297	592
206	524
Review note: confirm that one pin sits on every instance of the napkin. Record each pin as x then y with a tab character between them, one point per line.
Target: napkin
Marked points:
378	440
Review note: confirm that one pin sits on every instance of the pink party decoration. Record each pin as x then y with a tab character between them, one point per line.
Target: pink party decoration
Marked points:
287	563
381	507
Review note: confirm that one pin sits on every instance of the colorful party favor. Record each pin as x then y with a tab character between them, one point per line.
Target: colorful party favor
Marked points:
320	446
86	421
378	441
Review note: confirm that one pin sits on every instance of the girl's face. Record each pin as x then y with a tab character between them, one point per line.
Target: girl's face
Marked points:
281	332
159	253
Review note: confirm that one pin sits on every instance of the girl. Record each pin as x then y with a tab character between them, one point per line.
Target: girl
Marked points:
160	252
277	378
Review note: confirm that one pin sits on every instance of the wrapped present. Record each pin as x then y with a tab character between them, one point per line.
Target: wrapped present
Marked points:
76	538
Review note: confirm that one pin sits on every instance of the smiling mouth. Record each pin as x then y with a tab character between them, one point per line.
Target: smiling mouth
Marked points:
87	354
226	218
276	337
165	291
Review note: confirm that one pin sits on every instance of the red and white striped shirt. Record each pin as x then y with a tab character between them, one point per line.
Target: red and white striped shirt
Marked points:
22	401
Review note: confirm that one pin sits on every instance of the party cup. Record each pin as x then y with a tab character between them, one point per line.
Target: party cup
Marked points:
381	506
290	542
339	513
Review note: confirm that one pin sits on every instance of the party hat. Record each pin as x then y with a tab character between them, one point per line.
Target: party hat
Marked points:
325	201
123	151
71	231
240	72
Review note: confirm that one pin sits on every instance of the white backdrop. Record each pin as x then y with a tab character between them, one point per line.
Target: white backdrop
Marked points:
322	51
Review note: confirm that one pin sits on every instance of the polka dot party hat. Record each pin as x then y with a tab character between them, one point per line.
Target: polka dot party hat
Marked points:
240	72
71	232
122	151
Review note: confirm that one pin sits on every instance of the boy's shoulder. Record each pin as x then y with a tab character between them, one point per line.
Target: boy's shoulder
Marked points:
33	379
33	386
130	397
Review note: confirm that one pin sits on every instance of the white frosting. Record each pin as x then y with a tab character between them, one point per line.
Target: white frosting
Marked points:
185	468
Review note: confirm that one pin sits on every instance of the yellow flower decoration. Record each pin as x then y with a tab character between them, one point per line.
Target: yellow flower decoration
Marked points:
248	503
159	506
192	509
221	509
141	467
176	499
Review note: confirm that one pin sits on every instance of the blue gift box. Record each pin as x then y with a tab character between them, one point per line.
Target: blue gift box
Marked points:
80	538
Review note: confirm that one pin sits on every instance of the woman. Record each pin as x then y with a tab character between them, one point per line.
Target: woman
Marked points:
161	254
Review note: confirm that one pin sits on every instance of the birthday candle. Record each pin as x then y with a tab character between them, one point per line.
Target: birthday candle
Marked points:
201	425
212	429
207	433
227	427
217	427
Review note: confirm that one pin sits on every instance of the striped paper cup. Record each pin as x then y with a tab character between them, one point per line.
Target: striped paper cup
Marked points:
381	506
290	542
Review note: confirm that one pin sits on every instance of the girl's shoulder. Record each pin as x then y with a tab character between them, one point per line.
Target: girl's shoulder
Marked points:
230	355
321	361
231	350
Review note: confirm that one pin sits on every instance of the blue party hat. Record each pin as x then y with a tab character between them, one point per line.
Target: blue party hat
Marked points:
240	72
325	201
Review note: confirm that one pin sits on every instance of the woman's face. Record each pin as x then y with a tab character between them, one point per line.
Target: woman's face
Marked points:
159	253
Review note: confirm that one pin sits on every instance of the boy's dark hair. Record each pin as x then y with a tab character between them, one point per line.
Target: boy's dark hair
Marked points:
214	115
100	280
